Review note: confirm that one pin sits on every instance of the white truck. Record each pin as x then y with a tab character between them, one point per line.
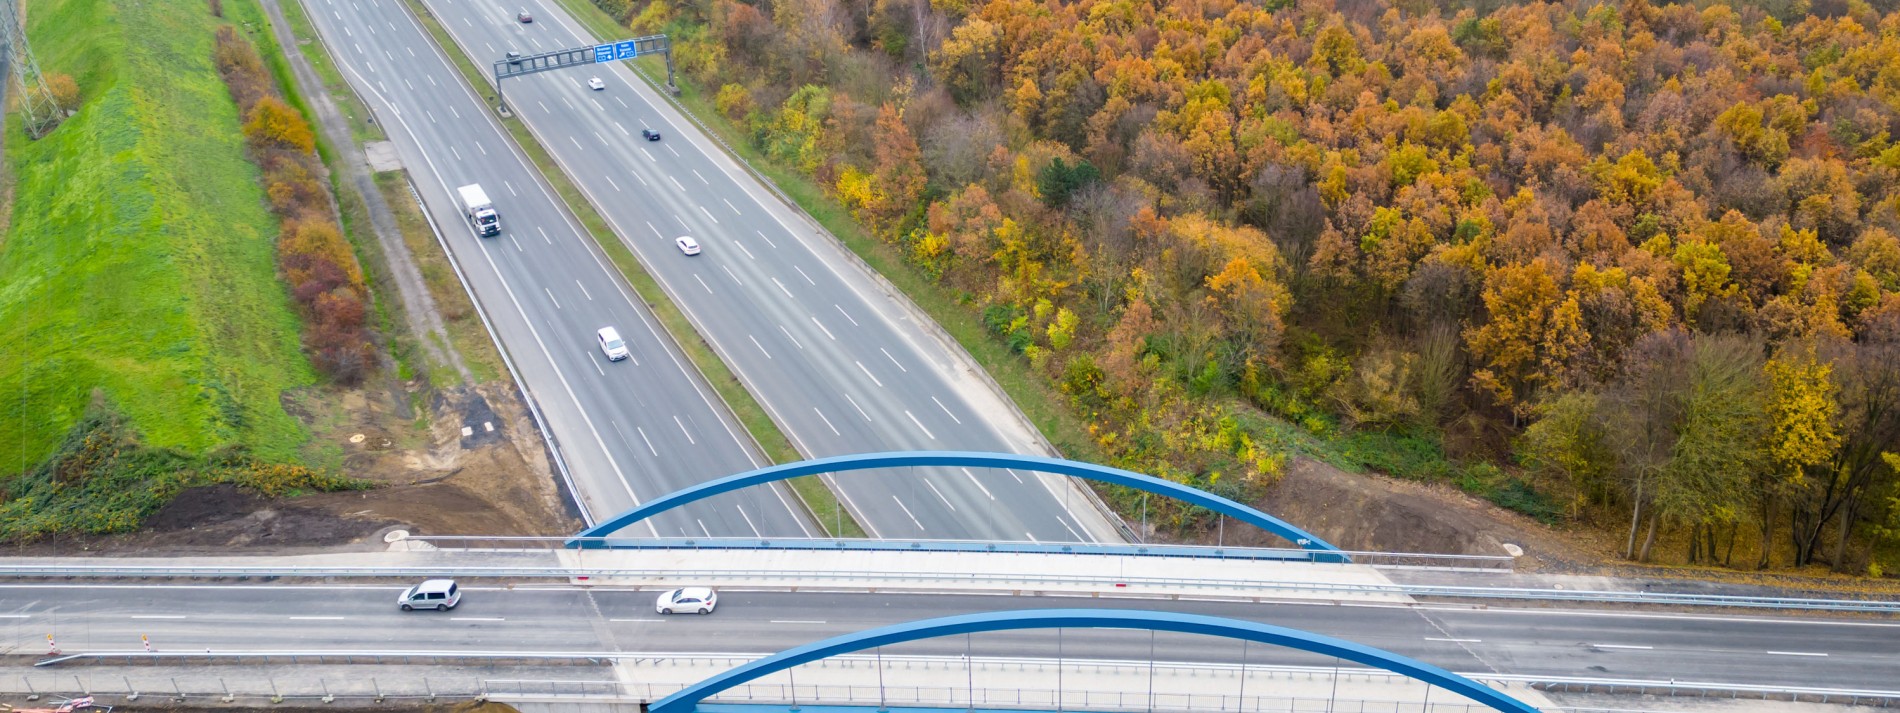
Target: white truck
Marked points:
480	213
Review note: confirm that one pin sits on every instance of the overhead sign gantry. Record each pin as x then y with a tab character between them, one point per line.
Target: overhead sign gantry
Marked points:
518	65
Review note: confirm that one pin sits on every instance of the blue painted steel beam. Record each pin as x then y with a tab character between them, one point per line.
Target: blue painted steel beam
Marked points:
965	459
687	700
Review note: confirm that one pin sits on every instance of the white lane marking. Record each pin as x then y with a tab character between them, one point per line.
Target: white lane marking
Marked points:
689	434
847	315
590	298
1072	533
768	241
544	107
640	620
649	441
1032	537
920	425
946	411
913	518
946	501
511	238
603	372
1012	474
887	355
801	273
411	85
453	112
795	621
676	154
623	104
977	483
348	33
470	24
702	527
735	209
577	142
544	235
612	182
702	179
478	147
867	372
676	182
643	181
656	231
1623	646
1456	641
15	616
854	404
781	287
316	618
570	105
741	246
557	303
622	129
431	115
649	155
821	417
755	342
1794	653
748	521
458	154
708	213
603	139
379	82
702	283
821	328
682	222
788	335
477	618
511	188
431	79
735	278
158	616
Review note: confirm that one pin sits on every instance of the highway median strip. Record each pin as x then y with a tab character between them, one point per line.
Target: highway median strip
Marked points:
821	504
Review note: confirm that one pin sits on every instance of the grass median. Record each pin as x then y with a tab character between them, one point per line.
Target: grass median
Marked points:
822	504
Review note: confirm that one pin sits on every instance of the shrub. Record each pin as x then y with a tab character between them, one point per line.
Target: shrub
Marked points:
274	124
65	91
733	101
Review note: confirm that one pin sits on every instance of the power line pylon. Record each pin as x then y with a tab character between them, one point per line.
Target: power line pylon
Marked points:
35	99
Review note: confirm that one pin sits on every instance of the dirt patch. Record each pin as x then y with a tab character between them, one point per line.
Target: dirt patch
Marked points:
1376	513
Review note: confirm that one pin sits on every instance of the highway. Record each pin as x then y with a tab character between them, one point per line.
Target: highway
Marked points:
629	431
1754	650
843	365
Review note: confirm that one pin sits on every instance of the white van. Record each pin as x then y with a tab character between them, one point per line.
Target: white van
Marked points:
612	345
437	594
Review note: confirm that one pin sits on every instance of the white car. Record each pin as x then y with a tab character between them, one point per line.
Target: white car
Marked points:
701	600
612	345
437	594
595	84
687	244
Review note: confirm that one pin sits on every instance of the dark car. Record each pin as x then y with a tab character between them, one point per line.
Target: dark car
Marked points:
650	134
514	57
523	16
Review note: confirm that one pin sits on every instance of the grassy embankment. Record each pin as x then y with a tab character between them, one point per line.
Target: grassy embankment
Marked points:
138	265
819	500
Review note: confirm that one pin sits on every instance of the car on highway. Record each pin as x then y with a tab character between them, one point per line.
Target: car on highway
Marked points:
437	594
699	600
650	134
595	84
611	344
687	244
514	57
524	17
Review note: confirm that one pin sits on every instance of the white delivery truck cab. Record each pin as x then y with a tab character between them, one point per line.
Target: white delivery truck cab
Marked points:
480	213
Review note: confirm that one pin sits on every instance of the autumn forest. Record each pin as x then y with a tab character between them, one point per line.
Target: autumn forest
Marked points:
1621	266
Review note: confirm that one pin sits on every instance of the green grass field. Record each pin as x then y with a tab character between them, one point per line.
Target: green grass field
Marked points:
139	256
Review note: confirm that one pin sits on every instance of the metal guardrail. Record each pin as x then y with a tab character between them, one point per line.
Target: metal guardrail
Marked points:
497	688
942	581
1455	562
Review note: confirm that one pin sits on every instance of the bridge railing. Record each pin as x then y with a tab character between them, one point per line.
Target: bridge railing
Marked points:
1458	562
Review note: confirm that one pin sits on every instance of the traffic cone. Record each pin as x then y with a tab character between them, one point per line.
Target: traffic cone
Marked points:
51	646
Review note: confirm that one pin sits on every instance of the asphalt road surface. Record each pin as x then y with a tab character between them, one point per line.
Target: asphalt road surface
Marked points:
629	430
843	366
1820	652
